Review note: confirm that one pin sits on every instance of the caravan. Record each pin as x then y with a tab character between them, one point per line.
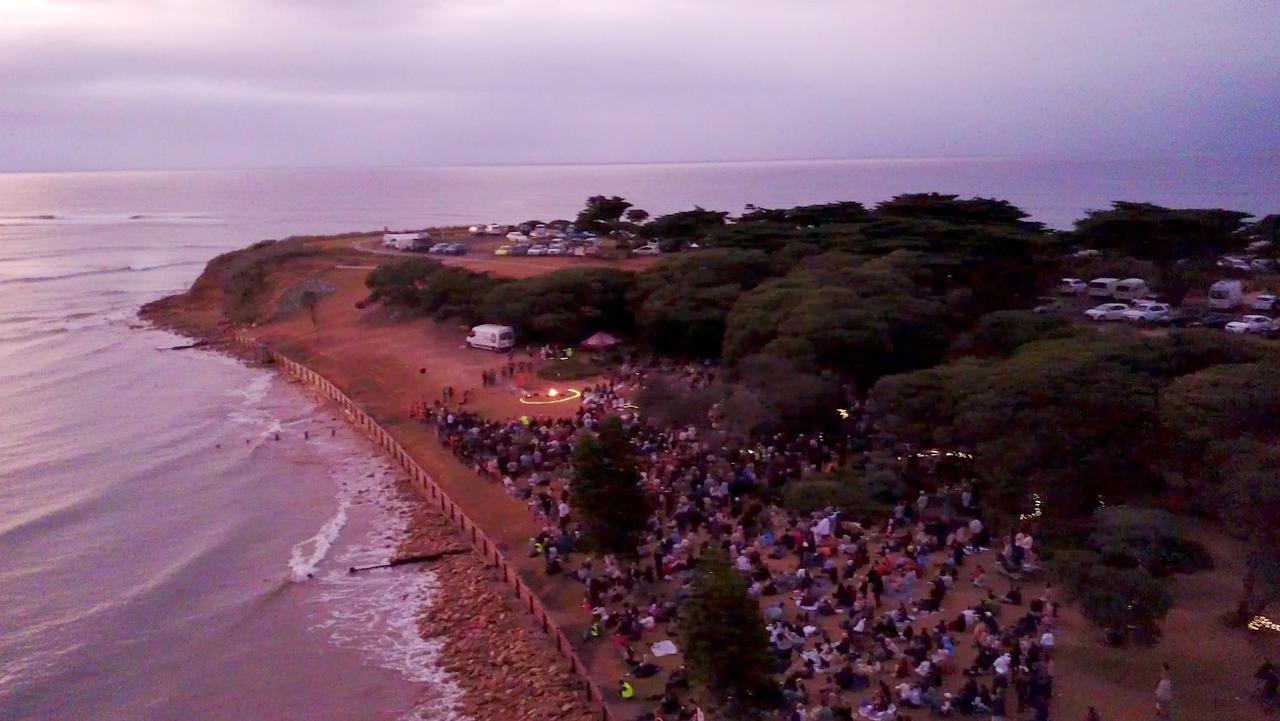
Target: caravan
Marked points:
1226	294
405	241
1131	289
1103	287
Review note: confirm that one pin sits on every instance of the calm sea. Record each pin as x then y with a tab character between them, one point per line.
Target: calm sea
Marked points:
156	538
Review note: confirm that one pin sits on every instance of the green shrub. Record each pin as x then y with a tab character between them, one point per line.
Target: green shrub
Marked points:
572	369
1116	598
1128	537
846	491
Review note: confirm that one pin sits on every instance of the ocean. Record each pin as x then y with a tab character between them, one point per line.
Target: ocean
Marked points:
164	556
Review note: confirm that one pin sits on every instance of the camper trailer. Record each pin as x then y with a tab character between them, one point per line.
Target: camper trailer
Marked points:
499	338
1226	294
1131	289
1103	287
405	241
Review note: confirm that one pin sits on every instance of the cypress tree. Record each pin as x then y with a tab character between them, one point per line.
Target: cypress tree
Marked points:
723	636
606	493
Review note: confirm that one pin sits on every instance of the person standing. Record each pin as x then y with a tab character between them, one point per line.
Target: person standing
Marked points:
1164	695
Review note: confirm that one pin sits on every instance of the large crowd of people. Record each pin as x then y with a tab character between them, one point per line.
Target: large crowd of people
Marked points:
923	611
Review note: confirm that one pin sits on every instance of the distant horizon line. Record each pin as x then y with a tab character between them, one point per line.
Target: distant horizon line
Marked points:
617	163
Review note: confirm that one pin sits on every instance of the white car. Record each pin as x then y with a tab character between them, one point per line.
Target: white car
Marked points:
1265	301
1148	312
515	237
1251	324
647	249
538	250
1072	286
1107	311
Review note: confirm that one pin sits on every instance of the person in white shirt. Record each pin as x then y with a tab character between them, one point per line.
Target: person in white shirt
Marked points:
1046	640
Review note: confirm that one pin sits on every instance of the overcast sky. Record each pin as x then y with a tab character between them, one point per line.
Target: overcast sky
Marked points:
246	83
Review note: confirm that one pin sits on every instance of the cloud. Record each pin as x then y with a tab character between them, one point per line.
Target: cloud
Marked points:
271	82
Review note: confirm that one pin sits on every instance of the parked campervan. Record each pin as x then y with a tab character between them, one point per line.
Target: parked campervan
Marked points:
1226	294
1103	287
499	338
1131	289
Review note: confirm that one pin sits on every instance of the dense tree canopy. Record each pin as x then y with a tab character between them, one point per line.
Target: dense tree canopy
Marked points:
602	213
1162	234
809	215
605	491
723	634
687	226
681	303
564	305
858	320
1001	333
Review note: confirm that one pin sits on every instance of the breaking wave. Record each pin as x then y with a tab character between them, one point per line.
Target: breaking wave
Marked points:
308	554
98	271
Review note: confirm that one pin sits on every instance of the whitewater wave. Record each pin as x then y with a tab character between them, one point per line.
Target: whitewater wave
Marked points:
308	554
377	611
107	219
98	271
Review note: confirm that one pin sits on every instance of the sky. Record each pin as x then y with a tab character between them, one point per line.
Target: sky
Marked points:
121	84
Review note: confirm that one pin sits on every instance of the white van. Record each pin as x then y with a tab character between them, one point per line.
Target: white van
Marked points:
1103	287
1226	294
500	338
1131	289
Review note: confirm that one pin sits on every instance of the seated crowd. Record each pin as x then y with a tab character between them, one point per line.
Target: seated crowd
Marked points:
873	621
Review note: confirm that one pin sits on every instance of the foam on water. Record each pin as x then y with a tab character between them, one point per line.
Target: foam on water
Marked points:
308	554
377	611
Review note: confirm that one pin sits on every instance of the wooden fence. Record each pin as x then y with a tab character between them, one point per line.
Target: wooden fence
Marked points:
433	494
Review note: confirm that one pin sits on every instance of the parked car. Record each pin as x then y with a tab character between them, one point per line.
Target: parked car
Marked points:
1262	265
554	250
1265	301
1045	304
1216	320
1251	324
1230	263
520	249
647	249
1072	286
1184	318
1148	312
438	248
458	249
515	237
538	249
1107	311
502	250
1087	253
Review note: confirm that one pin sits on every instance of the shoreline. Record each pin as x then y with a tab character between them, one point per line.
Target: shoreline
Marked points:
504	646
